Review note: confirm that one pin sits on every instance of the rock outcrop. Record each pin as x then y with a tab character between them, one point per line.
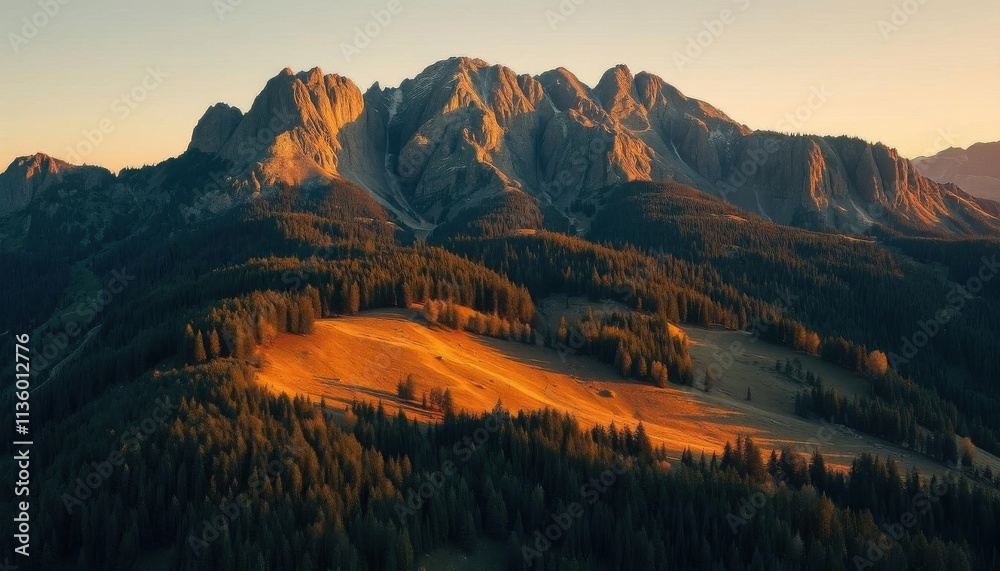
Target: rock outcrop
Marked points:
26	178
214	128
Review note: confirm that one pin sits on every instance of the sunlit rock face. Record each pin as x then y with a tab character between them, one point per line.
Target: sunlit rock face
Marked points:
467	139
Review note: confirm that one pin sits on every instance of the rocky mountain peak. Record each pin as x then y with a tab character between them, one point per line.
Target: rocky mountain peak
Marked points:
28	177
464	132
569	94
466	141
618	79
617	95
465	136
214	128
38	164
25	178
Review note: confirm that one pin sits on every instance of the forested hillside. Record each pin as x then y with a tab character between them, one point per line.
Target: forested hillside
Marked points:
157	449
857	294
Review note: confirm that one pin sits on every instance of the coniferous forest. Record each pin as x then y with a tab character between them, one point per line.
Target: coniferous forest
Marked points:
157	449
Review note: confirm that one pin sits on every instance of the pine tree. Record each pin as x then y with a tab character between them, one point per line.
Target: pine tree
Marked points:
817	471
406	389
753	460
354	299
447	403
643	446
189	345
307	315
430	311
200	355
214	347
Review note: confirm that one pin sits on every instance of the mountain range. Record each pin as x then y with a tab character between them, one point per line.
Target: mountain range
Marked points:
976	169
466	145
416	327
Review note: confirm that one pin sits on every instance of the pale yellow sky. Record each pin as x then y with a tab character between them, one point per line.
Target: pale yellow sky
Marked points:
918	75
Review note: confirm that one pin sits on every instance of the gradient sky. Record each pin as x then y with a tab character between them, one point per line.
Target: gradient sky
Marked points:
930	83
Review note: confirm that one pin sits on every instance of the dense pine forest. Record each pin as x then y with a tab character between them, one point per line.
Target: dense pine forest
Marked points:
158	450
234	478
